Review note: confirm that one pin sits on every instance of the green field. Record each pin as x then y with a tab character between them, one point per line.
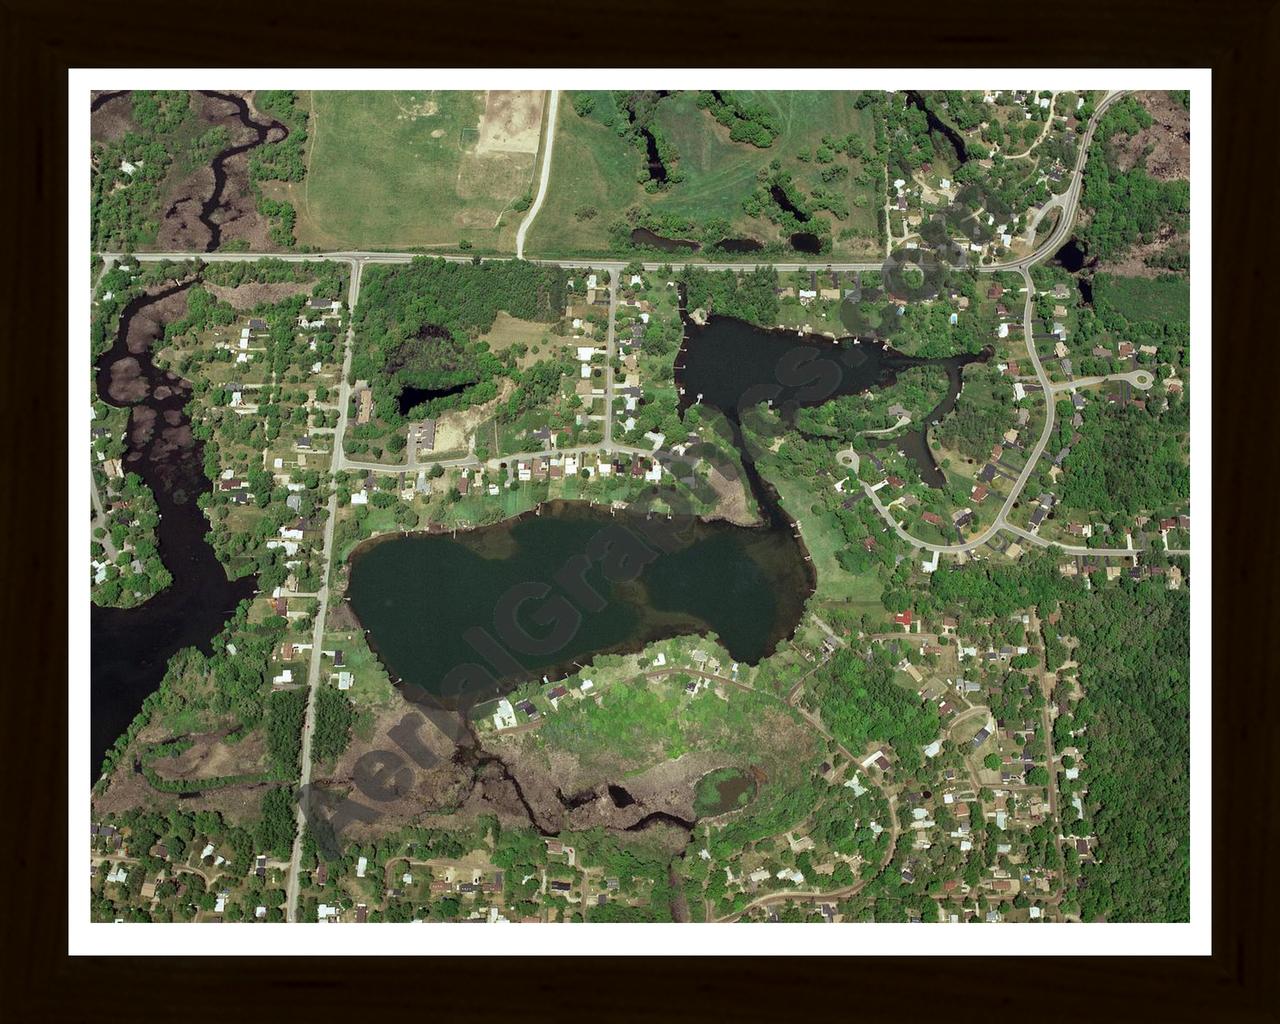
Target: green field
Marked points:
1164	299
596	169
401	170
823	537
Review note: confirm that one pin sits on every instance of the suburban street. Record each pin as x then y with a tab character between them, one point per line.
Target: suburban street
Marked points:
315	672
1068	201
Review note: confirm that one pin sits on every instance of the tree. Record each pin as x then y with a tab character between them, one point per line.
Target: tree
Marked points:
992	761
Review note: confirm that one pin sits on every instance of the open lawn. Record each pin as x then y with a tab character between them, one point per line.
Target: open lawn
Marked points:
823	537
596	174
370	683
508	330
408	169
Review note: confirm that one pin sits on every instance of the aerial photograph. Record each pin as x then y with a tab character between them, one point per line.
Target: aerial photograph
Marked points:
688	506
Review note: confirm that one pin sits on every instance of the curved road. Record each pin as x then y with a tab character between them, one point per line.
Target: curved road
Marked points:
552	109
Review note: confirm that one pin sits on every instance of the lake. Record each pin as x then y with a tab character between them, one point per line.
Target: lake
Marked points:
468	616
732	365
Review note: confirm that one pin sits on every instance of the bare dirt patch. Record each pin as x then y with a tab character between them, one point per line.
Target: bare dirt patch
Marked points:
210	757
1166	143
418	108
128	790
407	792
247	296
455	428
511	123
482	177
731	499
508	330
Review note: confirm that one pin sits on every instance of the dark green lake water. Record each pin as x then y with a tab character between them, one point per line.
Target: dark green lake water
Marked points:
468	617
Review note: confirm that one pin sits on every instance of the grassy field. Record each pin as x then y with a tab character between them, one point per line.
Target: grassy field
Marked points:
508	330
823	537
1143	298
594	169
405	169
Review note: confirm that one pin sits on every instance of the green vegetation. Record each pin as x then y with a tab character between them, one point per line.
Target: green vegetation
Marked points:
185	894
280	161
275	831
285	710
747	120
984	589
983	412
750	296
918	390
137	572
128	173
1127	206
709	797
416	324
1133	732
1000	177
720	156
642	723
214	687
1129	460
335	716
861	704
1146	311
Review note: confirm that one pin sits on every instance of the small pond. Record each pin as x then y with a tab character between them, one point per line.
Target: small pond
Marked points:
721	791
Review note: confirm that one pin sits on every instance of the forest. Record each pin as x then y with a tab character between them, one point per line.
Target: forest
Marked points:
127	173
1134	656
983	412
415	324
751	296
1146	311
747	122
1127	206
861	704
1129	460
280	161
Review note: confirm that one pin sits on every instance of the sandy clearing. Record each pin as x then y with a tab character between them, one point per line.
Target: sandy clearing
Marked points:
511	123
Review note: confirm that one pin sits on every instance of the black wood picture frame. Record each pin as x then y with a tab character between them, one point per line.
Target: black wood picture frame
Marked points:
41	40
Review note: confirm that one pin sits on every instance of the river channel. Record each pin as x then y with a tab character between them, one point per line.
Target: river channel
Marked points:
130	648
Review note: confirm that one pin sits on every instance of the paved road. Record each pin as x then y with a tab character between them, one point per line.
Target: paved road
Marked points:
315	673
1067	201
610	339
525	224
1140	379
470	458
1070	200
